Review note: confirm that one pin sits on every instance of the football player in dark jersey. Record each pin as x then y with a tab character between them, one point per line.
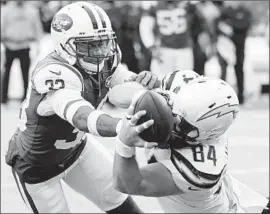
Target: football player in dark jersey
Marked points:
54	141
164	29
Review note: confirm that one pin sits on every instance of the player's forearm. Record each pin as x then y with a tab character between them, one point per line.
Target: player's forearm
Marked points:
96	122
127	176
82	114
121	95
107	125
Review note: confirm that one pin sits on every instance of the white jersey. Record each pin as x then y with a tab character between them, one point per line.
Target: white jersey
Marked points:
198	172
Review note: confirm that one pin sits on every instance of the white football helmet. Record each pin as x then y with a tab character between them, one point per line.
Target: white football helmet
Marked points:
204	109
175	80
81	33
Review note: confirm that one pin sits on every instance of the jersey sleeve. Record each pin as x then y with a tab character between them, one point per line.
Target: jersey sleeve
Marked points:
52	77
62	85
66	102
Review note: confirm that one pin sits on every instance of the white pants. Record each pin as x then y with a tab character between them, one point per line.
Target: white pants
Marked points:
90	175
243	199
172	60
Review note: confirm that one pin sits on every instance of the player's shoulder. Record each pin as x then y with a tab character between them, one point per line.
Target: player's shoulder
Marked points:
206	158
209	159
52	73
201	166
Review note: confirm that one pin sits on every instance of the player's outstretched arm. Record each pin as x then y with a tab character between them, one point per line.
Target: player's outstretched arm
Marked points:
62	87
69	105
153	180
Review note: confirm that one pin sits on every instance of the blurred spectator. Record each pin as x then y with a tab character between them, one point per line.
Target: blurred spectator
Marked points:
2	58
124	21
20	26
129	37
267	32
203	15
47	10
165	30
232	28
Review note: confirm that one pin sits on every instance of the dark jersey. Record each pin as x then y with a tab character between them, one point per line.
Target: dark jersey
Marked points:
172	23
47	144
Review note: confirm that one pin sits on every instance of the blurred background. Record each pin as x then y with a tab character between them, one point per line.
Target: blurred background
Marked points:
133	34
227	39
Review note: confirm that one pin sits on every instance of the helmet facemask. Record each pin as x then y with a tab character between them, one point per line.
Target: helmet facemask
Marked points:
91	52
183	133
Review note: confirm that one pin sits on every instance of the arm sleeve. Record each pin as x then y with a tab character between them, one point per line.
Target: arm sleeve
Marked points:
66	102
62	86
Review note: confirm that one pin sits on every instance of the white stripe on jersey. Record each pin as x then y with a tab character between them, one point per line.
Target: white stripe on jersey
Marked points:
62	99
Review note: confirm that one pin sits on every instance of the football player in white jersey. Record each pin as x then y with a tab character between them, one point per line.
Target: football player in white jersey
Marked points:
188	176
189	172
52	142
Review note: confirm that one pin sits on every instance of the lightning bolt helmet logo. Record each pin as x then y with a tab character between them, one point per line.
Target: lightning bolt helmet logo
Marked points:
221	111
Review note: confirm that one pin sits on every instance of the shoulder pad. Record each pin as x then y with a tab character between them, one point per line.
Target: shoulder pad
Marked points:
205	158
203	166
55	76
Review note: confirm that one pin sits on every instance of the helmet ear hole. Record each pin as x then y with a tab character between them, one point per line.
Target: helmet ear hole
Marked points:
193	134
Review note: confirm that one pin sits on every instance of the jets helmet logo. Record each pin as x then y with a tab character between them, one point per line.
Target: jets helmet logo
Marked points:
62	22
221	111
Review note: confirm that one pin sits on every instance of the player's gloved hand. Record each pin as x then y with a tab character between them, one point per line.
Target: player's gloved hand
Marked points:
147	79
129	132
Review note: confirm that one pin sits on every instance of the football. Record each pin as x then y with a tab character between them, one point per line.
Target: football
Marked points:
157	109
